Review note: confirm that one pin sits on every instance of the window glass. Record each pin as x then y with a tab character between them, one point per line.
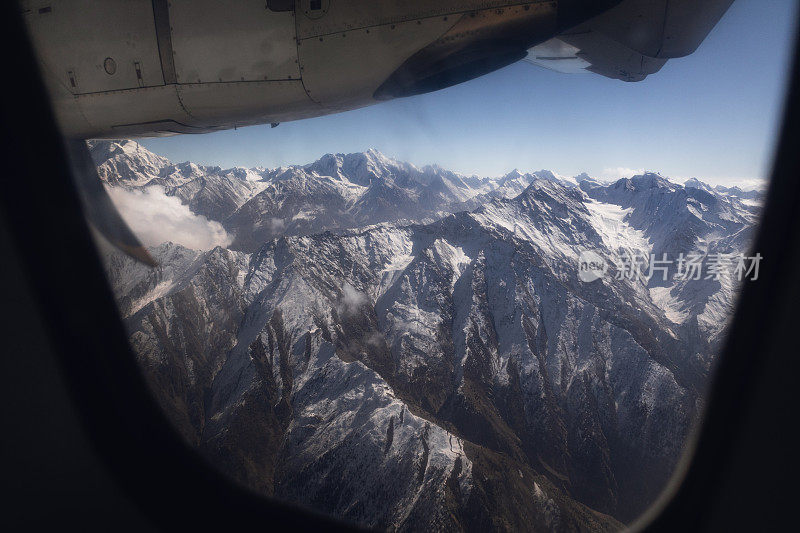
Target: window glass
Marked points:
491	305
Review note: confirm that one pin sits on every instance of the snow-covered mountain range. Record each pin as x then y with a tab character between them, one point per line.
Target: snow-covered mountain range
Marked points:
412	348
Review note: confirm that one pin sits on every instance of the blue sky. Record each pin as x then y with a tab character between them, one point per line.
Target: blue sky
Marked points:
712	115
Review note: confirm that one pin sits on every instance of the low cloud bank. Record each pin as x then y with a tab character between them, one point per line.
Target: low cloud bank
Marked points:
157	218
352	299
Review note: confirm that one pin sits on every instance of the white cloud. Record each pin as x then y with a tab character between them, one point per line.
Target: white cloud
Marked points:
374	339
746	184
277	224
352	299
157	218
621	172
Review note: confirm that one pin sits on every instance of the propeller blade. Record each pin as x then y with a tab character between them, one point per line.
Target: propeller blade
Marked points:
98	207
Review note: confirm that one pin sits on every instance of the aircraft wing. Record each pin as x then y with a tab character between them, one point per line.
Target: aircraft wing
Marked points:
633	39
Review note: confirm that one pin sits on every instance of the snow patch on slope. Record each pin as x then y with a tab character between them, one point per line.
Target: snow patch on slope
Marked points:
610	221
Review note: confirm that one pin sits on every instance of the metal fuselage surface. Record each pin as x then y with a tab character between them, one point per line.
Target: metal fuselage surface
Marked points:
125	68
121	68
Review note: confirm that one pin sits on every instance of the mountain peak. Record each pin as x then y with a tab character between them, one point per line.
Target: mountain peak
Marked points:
327	165
102	150
545	186
646	181
374	153
546	174
694	183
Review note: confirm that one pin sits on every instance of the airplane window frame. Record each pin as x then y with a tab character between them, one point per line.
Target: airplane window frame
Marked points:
169	480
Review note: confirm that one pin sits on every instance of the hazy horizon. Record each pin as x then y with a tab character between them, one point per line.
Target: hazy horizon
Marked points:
607	175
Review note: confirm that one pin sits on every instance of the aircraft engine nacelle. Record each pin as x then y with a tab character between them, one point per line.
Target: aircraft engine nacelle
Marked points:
121	68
